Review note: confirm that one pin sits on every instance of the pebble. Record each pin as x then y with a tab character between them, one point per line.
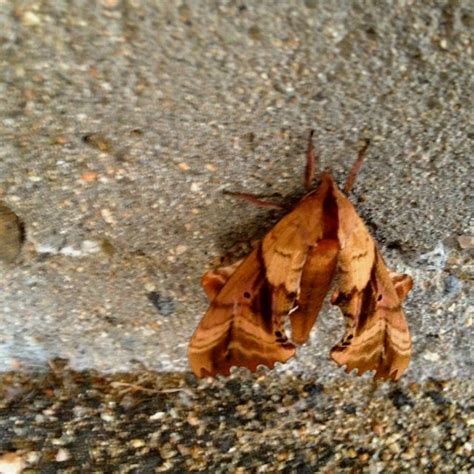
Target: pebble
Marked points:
431	356
180	249
30	18
149	287
33	457
159	415
164	304
98	141
394	447
107	417
89	176
466	241
107	216
63	455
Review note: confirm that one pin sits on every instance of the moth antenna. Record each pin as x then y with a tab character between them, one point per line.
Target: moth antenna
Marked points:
356	167
310	163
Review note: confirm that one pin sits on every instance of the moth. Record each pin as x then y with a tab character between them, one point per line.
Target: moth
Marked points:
321	246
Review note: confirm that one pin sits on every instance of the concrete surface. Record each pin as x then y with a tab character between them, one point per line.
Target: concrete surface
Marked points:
122	122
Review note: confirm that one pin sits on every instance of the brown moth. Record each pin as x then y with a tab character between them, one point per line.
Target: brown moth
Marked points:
322	243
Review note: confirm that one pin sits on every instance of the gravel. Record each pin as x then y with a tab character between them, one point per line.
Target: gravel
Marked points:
66	421
122	123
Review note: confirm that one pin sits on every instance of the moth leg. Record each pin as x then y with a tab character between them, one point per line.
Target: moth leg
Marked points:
310	168
255	200
356	167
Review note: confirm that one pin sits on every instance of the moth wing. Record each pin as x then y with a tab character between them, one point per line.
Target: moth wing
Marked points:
239	329
293	254
214	280
377	335
316	279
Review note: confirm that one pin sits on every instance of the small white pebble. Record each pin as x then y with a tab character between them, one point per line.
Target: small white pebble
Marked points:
159	415
394	447
33	457
70	251
106	417
90	246
30	19
150	287
63	455
137	443
431	356
107	216
180	249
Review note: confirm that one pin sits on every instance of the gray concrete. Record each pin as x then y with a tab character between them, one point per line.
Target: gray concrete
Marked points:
186	101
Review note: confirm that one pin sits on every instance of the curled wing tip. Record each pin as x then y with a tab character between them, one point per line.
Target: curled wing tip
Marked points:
403	284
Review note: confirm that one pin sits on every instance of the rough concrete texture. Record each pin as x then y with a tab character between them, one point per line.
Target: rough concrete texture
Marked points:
121	123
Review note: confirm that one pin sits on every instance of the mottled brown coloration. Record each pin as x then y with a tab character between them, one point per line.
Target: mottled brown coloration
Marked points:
321	241
240	328
377	336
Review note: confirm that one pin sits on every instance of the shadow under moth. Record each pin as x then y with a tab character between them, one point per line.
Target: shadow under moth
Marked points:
322	245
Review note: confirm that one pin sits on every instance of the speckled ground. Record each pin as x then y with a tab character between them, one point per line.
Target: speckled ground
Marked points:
72	422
